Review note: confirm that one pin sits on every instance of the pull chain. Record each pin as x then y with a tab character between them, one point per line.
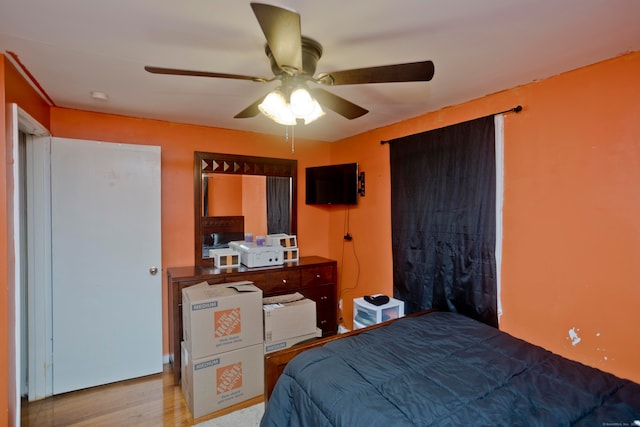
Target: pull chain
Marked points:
286	137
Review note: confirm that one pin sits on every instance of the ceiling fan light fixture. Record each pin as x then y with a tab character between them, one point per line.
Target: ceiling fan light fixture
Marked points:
275	107
302	104
273	103
315	114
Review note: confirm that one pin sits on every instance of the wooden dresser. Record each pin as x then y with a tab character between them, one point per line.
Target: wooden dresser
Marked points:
314	277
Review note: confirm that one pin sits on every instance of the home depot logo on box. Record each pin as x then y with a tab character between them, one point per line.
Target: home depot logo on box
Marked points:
227	322
229	378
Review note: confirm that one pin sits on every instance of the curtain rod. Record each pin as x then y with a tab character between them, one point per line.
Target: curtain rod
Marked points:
515	109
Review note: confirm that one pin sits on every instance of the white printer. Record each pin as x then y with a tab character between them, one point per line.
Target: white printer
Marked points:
254	255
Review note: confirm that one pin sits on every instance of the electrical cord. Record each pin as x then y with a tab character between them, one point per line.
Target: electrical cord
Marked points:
348	238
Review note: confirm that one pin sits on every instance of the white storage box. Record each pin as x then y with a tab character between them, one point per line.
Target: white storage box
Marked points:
225	257
291	319
219	318
253	255
366	314
290	254
289	342
284	240
215	382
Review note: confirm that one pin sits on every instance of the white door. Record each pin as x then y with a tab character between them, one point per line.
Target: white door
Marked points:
107	304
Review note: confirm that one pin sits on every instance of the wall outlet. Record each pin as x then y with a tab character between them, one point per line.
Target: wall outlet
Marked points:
340	304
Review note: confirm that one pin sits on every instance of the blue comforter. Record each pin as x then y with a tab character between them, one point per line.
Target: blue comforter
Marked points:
444	369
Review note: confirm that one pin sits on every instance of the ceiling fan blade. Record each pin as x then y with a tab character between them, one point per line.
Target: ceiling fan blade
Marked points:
281	28
340	105
177	72
410	72
251	111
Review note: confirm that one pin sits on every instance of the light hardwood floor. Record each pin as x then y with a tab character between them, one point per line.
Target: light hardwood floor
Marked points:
148	401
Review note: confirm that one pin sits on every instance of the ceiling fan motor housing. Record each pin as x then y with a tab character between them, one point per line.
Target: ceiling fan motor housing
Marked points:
311	53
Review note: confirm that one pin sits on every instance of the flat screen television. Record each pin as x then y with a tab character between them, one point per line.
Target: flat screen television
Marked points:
332	185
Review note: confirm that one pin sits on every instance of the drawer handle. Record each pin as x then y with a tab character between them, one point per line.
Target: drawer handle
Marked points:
317	276
324	298
323	322
284	281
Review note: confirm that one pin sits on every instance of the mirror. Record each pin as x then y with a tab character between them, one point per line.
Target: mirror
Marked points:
237	194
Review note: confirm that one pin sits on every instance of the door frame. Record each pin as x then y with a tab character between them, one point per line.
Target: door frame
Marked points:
39	279
32	337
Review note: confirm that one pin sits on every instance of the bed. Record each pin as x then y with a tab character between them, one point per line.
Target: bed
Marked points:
441	369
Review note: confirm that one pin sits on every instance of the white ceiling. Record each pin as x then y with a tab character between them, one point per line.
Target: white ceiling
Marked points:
73	47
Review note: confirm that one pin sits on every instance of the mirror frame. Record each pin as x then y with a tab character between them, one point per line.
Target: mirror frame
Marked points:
233	164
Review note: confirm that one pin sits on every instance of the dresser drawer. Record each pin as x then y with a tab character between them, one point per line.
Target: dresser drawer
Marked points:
327	323
185	283
322	295
325	307
282	281
258	279
316	276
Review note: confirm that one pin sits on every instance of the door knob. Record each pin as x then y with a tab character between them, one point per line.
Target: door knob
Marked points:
153	271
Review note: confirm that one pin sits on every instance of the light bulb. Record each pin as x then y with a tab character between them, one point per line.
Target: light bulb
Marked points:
272	103
301	103
315	114
285	117
275	107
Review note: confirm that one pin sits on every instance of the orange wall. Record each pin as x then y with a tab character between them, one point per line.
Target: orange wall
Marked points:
225	195
20	92
254	204
240	195
571	211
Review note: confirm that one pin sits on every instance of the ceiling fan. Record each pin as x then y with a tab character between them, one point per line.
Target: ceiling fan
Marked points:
293	60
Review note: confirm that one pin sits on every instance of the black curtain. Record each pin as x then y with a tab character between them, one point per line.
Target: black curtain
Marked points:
443	197
278	204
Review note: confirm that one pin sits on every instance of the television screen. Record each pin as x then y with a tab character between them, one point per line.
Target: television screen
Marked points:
332	185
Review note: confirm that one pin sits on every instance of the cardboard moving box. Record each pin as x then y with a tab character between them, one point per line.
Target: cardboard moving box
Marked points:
290	342
217	381
219	318
287	320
